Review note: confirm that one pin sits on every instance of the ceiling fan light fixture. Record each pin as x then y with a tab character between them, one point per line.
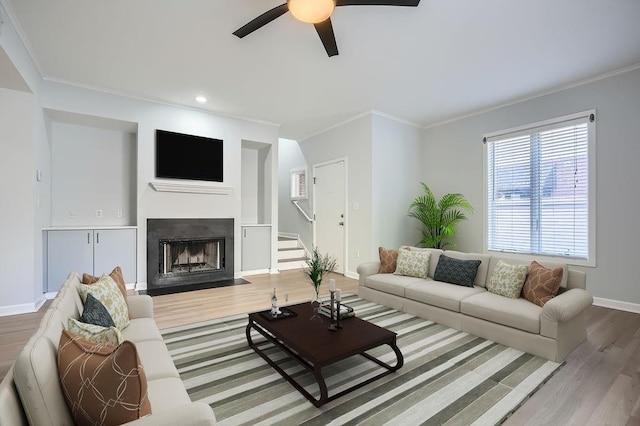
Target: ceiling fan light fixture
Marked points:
311	11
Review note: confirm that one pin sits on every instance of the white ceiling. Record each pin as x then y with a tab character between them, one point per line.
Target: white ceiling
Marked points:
443	59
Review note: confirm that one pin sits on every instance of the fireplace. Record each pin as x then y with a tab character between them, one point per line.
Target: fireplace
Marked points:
187	254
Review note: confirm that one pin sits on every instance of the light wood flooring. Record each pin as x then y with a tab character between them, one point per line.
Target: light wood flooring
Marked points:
598	385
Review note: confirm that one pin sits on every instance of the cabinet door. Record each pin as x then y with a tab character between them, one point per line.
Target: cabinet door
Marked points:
115	247
256	247
68	251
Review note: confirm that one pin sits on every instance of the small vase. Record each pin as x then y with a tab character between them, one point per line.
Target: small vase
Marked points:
315	303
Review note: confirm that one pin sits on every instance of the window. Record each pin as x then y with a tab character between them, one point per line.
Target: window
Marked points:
540	189
299	184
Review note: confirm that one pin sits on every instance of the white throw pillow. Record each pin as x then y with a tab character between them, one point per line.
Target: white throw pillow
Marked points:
507	280
413	263
107	292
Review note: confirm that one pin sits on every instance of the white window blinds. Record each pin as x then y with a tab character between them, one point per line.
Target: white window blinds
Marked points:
538	189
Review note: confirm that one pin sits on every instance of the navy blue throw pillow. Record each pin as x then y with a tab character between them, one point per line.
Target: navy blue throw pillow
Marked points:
456	271
95	313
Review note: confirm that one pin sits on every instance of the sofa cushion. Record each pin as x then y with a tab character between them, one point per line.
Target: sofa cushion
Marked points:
95	333
515	313
392	284
456	271
388	260
106	291
95	313
140	330
103	384
166	394
157	362
434	256
413	263
116	275
481	275
507	280
440	294
542	283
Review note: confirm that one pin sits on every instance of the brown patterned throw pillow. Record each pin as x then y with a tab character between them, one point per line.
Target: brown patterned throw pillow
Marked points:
102	384
388	260
542	284
116	274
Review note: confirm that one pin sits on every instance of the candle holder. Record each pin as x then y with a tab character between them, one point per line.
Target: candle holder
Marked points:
332	325
335	313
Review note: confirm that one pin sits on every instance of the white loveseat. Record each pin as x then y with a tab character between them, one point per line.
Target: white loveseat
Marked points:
551	331
31	393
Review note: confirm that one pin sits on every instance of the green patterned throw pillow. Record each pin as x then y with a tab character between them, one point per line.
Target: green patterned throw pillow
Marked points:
413	263
106	292
507	280
95	333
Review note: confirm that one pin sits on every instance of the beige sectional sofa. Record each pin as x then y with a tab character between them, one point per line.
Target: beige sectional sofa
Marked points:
31	393
551	331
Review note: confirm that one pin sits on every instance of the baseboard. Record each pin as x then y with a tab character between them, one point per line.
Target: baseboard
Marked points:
255	272
353	275
617	304
25	308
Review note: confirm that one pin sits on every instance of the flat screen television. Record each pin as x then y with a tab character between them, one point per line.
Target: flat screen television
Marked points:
180	156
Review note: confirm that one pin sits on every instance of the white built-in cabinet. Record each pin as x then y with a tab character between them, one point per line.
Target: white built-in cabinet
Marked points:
92	250
256	247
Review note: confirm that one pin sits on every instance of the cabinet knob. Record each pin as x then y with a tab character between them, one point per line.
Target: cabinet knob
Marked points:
88	238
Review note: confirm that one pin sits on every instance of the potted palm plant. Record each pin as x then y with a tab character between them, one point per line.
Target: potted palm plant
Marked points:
439	217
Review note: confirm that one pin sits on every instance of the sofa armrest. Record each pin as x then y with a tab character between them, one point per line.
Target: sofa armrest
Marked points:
140	306
567	305
194	414
366	269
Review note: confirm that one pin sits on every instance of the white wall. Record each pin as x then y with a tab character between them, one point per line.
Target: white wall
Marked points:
21	281
353	141
17	181
92	169
249	186
397	171
151	116
290	219
453	161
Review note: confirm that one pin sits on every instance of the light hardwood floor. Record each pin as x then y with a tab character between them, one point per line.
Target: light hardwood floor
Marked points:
598	385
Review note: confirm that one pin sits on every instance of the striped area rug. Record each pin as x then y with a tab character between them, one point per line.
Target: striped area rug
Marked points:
449	377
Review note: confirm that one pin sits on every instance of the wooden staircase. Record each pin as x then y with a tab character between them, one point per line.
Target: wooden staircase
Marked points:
291	254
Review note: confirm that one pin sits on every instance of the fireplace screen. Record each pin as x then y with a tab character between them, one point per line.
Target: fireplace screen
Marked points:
191	256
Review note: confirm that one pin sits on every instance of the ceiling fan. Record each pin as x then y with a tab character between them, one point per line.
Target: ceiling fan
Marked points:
318	13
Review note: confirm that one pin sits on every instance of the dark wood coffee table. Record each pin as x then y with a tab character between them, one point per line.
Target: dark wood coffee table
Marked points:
312	345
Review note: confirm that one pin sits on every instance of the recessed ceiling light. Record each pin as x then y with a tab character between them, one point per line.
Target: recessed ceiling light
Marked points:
201	99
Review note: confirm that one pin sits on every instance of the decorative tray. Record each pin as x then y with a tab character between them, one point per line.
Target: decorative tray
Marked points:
284	313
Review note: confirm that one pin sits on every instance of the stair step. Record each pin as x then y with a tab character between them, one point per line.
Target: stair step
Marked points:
292	264
287	243
290	254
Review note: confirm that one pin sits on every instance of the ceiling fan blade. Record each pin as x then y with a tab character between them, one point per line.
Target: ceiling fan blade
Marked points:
325	31
262	20
412	3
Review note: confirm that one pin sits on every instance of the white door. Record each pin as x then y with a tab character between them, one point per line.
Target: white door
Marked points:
329	206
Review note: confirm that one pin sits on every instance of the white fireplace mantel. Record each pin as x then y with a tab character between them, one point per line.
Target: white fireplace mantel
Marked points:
193	188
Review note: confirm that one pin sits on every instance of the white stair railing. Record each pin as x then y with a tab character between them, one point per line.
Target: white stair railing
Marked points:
302	210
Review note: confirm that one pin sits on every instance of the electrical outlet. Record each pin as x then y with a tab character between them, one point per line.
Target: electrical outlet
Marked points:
119	214
357	254
356	206
98	213
73	214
